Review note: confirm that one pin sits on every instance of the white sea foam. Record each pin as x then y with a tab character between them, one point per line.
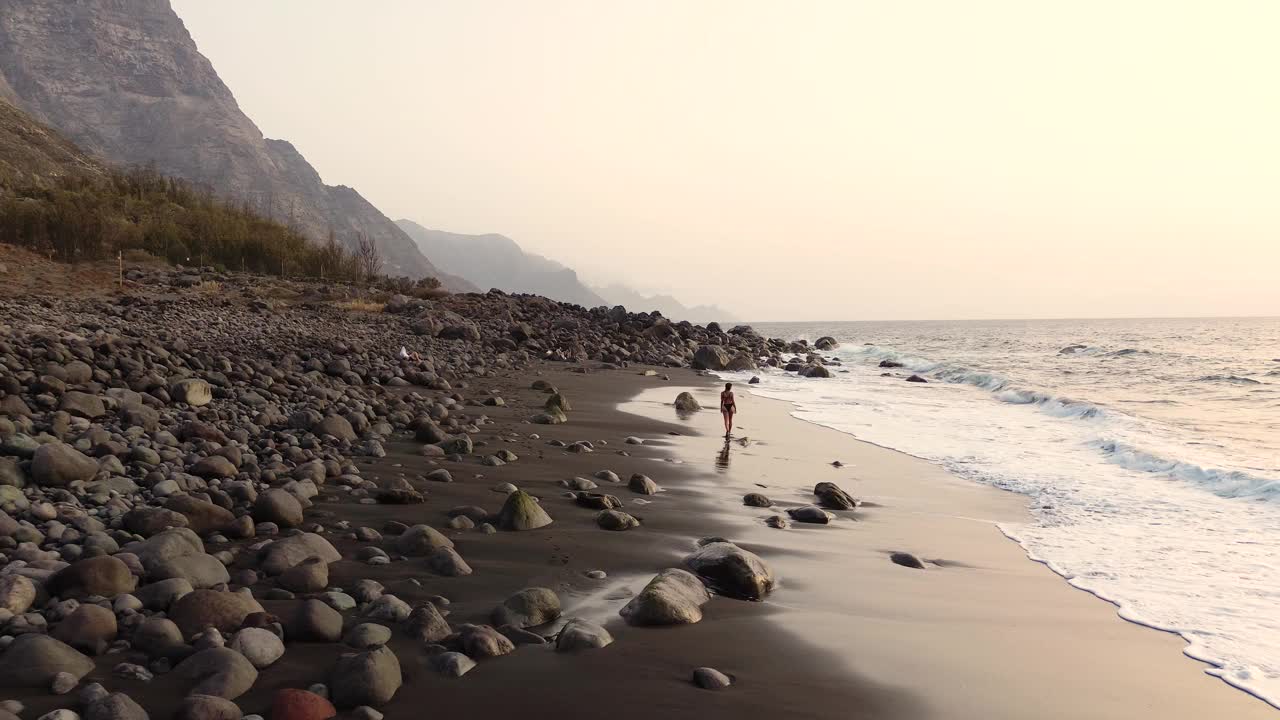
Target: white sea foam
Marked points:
1150	488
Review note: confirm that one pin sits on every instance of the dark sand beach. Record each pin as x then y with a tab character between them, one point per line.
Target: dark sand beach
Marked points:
982	632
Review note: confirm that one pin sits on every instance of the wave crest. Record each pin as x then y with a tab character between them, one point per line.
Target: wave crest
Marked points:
1223	483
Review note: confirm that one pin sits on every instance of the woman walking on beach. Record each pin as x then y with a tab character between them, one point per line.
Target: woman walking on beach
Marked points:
727	407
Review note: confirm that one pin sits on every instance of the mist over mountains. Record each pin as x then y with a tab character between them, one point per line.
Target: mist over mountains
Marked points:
493	260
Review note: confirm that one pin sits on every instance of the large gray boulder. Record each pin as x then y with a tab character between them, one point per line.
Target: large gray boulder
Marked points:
17	593
309	576
337	427
116	706
202	516
482	641
710	357
831	496
156	637
521	511
82	405
207	707
731	571
278	506
447	562
192	391
673	597
200	609
315	621
259	646
32	660
218	671
166	545
528	608
89	629
200	570
426	624
159	595
370	678
420	540
287	552
103	575
686	402
57	464
579	634
811	514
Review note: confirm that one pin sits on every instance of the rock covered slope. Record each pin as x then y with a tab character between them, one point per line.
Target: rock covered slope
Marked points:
29	150
496	261
124	80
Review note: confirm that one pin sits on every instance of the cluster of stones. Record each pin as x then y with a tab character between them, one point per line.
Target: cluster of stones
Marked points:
160	452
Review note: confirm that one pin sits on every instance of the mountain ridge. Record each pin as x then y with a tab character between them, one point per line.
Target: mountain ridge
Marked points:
494	260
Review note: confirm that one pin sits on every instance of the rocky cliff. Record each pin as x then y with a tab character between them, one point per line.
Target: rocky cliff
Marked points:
123	79
31	151
496	261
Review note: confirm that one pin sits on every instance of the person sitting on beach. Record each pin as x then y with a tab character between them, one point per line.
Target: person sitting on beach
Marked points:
727	408
406	355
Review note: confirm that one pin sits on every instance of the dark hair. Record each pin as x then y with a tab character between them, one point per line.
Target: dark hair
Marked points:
728	385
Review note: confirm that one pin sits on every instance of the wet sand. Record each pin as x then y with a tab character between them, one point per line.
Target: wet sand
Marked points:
982	632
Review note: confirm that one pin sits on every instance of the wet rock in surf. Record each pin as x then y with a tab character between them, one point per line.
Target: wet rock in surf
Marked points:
673	597
777	522
826	342
906	560
686	402
756	500
916	379
755	380
579	634
831	496
731	571
642	485
810	514
890	364
616	520
815	371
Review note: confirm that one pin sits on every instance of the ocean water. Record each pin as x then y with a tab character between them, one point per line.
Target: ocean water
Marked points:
1149	451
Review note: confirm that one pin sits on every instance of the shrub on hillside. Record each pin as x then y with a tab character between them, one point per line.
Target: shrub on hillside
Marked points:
81	217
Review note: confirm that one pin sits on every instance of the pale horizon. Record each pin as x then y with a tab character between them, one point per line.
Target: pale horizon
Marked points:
874	161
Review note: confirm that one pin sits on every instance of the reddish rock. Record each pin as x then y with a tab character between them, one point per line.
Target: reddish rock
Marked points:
294	704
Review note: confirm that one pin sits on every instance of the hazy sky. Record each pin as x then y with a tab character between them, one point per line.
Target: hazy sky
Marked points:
804	160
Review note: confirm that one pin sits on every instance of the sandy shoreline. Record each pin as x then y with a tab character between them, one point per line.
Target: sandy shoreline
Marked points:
985	632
